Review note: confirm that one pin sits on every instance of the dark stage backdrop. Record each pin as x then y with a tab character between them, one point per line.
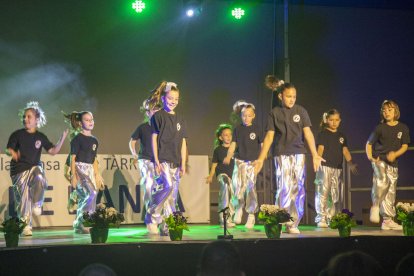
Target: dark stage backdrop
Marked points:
99	55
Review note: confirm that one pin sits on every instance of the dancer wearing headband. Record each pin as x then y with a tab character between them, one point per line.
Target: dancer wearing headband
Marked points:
86	178
385	145
329	190
26	171
145	158
246	144
170	153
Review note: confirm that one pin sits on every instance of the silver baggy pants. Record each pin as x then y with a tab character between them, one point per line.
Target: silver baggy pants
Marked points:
29	189
87	191
290	183
244	187
164	194
329	193
384	188
146	168
225	195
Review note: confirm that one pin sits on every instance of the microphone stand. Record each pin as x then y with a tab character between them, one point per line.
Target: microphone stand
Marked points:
226	236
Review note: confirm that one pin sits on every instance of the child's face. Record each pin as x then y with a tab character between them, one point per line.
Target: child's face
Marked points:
333	121
388	112
226	136
29	119
248	116
87	121
170	100
288	97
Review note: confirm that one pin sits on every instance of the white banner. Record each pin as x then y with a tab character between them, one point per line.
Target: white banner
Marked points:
123	191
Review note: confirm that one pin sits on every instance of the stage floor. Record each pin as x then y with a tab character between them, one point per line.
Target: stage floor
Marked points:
198	233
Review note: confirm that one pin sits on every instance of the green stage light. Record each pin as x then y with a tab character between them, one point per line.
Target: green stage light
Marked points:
138	6
237	13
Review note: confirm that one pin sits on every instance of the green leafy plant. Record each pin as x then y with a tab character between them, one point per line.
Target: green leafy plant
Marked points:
13	225
405	212
272	214
103	217
342	220
176	221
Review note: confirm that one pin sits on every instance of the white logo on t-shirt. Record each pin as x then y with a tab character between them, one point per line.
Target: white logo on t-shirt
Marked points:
252	136
38	144
296	118
94	147
341	140
178	126
399	135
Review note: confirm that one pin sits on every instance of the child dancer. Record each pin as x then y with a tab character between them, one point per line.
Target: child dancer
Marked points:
223	172
86	178
332	146
386	144
288	123
247	139
145	157
170	153
26	171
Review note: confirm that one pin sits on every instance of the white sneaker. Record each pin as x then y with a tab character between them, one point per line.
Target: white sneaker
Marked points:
250	221
27	231
322	224
152	229
37	210
389	224
292	230
238	216
374	214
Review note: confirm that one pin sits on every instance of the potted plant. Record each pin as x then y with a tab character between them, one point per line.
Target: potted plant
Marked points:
272	217
176	223
343	221
100	221
12	228
405	214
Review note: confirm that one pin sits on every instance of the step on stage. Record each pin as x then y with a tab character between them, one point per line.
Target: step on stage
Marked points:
131	251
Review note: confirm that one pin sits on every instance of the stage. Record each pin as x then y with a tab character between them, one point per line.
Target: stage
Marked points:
131	251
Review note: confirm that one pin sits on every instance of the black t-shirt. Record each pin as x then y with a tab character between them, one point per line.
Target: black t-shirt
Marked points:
171	130
84	147
29	146
386	138
248	140
143	133
333	144
219	154
288	124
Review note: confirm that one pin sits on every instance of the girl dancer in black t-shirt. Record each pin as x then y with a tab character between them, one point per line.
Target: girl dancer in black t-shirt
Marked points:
26	171
86	178
223	172
246	144
288	123
386	144
170	153
333	147
145	158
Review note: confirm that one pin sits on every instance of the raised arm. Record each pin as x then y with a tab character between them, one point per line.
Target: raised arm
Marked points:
55	150
230	153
